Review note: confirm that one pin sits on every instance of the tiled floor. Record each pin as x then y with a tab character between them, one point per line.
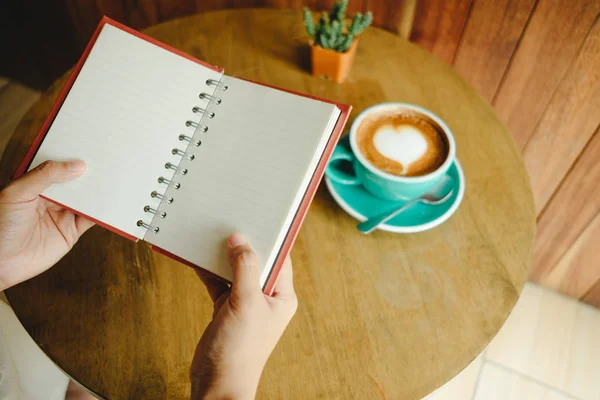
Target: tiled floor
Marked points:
548	349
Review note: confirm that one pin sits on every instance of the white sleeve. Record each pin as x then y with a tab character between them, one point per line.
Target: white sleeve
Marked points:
27	372
9	382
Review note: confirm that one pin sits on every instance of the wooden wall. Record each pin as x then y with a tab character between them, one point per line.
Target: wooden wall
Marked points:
538	64
40	40
536	61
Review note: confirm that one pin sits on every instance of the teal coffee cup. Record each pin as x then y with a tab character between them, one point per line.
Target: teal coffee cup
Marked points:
378	182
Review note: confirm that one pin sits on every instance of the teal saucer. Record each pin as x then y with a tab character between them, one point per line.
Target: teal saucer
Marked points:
360	204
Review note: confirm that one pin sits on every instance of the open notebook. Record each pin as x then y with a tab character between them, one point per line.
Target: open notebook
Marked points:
181	155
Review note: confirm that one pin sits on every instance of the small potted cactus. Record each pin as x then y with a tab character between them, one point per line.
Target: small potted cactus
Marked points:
333	43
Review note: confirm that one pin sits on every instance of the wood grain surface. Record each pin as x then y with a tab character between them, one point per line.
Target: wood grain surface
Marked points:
516	53
489	40
538	63
560	259
42	39
438	26
568	122
381	317
572	275
552	38
15	100
593	296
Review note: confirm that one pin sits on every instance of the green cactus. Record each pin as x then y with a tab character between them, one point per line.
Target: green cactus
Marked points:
360	23
331	32
338	12
309	23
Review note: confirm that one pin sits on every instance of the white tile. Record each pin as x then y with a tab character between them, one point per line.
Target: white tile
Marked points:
462	386
518	332
583	378
552	339
496	383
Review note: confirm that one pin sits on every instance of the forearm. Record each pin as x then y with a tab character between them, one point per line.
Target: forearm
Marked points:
246	326
232	389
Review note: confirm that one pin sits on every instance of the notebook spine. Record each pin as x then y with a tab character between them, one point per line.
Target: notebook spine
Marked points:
171	183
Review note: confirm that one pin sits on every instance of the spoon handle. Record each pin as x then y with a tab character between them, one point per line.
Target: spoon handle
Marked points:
372	223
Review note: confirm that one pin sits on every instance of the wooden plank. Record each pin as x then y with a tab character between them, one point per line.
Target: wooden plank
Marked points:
568	122
575	204
593	296
389	14
15	100
85	17
438	26
176	9
4	83
487	44
394	15
312	4
406	19
37	41
67	25
551	40
579	269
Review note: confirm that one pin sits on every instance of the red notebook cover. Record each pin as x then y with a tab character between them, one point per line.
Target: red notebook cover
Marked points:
304	205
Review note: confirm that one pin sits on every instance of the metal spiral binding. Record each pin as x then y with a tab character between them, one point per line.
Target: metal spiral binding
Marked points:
177	152
218	84
182	153
155	194
185	138
154	229
151	210
209	97
200	110
168	182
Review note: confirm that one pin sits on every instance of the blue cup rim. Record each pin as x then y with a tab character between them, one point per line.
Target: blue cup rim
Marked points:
412	107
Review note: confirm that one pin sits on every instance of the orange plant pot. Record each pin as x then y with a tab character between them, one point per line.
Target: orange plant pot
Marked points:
332	64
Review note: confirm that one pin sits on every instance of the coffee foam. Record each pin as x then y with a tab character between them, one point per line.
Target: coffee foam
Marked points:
402	143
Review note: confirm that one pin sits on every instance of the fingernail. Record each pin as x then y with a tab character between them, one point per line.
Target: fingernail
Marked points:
237	239
77	167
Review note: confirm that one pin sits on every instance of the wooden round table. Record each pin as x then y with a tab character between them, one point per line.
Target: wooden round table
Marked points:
382	316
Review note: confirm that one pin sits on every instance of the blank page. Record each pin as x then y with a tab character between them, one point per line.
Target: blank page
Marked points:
123	116
249	175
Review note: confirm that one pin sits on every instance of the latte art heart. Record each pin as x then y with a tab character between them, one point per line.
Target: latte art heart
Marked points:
404	144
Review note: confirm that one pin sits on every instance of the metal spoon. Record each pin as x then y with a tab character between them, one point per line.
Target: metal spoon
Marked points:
438	195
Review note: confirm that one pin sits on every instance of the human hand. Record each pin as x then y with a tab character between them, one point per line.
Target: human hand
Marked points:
246	326
35	233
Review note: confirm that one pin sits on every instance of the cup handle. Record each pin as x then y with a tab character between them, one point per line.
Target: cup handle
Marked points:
337	175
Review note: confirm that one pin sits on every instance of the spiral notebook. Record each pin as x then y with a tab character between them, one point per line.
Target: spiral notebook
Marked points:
181	155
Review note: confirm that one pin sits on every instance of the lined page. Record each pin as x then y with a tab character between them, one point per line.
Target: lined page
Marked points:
123	116
249	175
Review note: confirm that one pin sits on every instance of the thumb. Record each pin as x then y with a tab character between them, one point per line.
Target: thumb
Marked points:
284	288
30	185
245	266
